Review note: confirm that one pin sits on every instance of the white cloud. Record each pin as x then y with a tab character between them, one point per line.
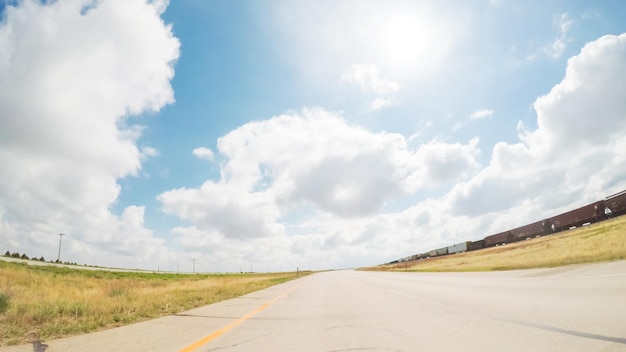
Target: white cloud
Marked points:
302	179
226	208
148	152
67	80
367	76
381	102
556	49
588	107
442	162
204	153
576	151
481	114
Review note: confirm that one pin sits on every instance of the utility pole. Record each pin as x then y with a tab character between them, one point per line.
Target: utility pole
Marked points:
194	265
60	239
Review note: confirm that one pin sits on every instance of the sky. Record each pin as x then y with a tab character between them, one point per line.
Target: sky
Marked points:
227	136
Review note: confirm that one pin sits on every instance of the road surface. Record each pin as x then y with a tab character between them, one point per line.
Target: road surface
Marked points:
574	308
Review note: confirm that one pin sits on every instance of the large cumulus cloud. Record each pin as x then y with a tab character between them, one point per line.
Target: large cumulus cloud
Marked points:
313	161
70	74
575	155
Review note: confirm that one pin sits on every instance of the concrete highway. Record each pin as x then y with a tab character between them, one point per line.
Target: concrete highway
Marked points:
573	308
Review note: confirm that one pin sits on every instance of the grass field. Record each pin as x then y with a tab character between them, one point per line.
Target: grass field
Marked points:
604	241
55	302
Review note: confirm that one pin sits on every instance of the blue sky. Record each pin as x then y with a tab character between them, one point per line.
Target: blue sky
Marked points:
311	134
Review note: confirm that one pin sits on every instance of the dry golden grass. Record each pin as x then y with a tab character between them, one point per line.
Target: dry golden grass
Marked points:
55	302
604	241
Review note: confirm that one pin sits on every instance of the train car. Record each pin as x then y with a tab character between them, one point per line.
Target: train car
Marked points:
442	251
472	246
535	229
589	213
432	253
459	247
498	239
616	204
424	255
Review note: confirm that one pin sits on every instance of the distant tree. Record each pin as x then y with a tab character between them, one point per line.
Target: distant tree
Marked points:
42	259
24	256
7	254
15	255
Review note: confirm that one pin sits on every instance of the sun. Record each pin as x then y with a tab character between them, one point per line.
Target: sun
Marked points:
411	39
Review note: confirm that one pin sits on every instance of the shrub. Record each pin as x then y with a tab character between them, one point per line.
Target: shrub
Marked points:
118	291
4	302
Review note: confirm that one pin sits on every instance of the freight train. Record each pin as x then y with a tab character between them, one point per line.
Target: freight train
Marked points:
611	206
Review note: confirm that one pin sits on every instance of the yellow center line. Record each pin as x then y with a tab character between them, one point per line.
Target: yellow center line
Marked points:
217	333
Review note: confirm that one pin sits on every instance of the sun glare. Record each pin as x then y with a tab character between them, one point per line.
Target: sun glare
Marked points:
412	39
